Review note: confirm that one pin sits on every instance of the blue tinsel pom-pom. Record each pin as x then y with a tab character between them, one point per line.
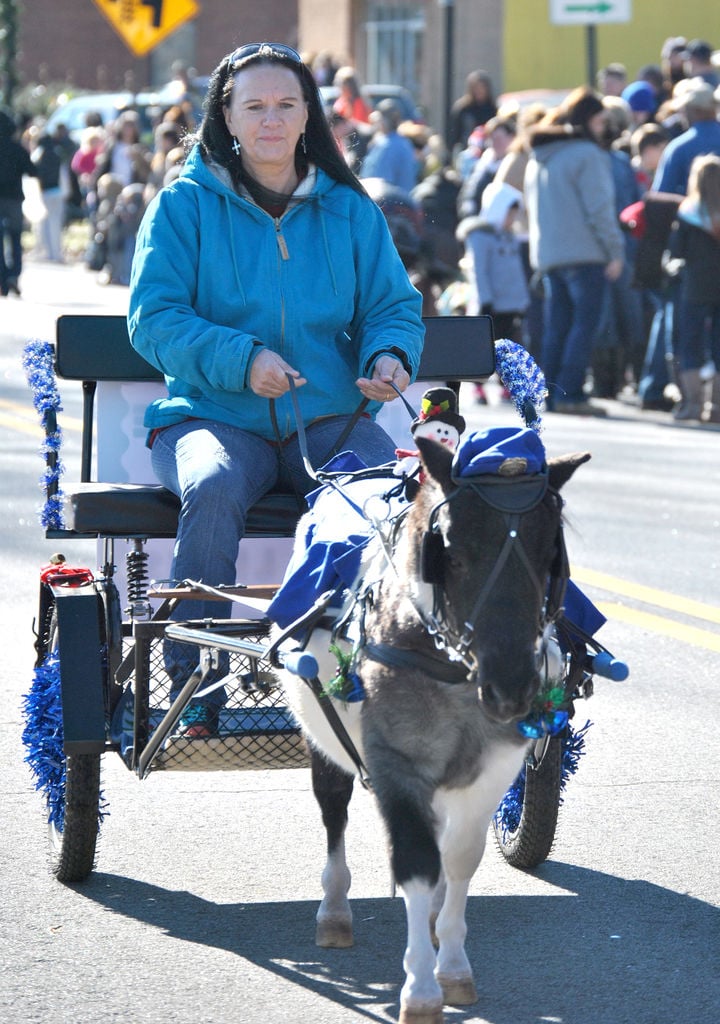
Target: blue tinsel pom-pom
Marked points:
39	369
523	379
43	737
509	811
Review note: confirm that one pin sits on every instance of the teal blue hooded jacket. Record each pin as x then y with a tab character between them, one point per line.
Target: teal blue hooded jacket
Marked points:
215	277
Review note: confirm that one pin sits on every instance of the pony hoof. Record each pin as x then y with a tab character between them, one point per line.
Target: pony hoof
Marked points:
334	934
458	991
421	1016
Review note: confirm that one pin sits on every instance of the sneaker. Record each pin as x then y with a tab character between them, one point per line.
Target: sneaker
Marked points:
198	722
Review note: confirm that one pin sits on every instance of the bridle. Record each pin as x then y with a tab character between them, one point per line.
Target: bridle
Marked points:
513	497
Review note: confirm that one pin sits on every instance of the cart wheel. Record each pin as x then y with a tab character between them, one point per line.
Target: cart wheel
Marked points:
73	827
525	822
72	846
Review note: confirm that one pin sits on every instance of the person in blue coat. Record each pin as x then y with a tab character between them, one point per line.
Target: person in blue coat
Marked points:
264	263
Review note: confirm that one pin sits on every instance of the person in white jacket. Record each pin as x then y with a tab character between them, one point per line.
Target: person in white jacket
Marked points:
498	284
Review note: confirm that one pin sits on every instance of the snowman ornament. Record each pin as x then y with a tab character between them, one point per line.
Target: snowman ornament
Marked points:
437	420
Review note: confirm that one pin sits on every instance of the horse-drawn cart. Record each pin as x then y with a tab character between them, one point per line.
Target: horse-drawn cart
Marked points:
99	682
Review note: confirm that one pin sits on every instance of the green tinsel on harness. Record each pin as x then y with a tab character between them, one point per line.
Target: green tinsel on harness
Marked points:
345	685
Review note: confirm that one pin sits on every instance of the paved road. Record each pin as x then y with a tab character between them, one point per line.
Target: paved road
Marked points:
201	907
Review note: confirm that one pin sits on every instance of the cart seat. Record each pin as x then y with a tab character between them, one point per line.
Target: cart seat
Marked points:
149	510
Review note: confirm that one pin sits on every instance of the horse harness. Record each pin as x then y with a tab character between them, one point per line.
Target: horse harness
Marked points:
513	497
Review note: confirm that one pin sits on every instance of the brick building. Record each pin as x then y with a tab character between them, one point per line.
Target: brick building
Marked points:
74	42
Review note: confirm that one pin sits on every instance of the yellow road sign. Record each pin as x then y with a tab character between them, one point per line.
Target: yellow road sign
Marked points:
142	24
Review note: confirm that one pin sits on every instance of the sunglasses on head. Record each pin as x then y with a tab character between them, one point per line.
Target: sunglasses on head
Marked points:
264	50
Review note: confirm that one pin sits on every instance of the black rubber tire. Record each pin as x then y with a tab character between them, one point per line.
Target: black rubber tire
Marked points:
72	848
532	840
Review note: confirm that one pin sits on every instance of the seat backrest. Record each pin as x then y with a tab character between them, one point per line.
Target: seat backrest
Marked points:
90	347
96	347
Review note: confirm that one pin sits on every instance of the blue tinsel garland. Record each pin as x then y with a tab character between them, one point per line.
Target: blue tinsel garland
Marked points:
40	372
523	379
42	737
509	812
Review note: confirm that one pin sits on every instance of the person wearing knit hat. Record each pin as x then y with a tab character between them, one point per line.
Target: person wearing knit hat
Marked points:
576	243
698	62
642	100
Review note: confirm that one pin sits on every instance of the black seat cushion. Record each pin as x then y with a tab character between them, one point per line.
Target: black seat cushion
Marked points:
149	510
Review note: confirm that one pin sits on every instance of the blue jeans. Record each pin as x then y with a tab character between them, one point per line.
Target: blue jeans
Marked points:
219	472
656	368
573	304
699	339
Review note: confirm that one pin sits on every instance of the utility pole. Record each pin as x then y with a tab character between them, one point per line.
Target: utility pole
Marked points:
448	7
9	16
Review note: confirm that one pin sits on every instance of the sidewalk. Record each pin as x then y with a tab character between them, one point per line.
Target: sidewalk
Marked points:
51	289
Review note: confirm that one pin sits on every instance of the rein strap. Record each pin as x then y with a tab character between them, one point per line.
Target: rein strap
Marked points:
441	669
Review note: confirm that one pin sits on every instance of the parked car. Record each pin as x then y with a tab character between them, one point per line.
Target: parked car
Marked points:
549	98
373	94
72	112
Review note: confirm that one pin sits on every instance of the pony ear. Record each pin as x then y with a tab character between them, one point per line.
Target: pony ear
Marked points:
437	461
563	467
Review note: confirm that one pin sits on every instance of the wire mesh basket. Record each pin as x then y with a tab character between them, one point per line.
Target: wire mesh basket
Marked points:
255	727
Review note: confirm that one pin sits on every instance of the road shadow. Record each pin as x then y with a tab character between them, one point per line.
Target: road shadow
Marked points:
601	950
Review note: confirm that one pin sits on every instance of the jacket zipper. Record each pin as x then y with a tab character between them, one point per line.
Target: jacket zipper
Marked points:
285	255
282	244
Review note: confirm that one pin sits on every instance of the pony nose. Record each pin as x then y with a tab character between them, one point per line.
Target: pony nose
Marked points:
509	705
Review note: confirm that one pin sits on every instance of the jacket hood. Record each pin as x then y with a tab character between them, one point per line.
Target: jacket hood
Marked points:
497	199
556	133
216	177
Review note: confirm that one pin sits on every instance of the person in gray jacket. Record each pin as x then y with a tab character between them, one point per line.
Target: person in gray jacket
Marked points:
576	243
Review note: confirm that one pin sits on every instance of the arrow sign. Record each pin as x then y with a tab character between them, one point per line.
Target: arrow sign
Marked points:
142	24
590	12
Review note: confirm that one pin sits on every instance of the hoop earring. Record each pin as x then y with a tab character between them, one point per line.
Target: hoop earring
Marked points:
303	143
235	146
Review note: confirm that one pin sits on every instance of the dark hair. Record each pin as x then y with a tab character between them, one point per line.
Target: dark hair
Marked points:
216	142
576	110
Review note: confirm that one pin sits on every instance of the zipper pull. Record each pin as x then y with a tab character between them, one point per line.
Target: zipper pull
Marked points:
282	244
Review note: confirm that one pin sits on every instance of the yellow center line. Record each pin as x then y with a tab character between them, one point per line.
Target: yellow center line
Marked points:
25	419
664	627
21	426
648	595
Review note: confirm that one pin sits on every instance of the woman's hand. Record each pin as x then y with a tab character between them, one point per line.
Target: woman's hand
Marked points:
387	370
268	375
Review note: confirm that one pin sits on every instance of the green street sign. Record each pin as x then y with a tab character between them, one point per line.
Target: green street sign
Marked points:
589	12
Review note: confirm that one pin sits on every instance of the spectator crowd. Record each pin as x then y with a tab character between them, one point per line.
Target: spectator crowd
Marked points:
589	231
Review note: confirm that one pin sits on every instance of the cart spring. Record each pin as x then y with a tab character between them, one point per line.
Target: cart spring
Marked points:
137	581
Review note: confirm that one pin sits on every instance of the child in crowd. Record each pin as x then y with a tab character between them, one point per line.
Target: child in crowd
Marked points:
646	145
496	271
498	284
695	245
